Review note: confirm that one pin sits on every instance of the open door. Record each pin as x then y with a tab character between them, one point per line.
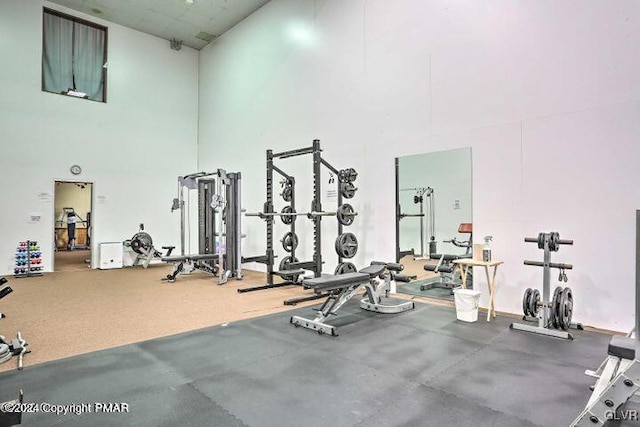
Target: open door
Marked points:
72	225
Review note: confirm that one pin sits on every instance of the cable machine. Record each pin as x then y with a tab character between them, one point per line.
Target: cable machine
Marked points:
422	195
219	225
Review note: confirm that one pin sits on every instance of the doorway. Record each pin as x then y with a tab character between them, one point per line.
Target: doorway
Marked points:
72	225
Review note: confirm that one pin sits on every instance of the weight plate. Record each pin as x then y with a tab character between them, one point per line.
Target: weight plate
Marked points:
525	301
288	219
287	192
347	189
285	264
555	307
351	174
345	214
346	245
345	267
290	241
554	241
534	299
140	241
566	308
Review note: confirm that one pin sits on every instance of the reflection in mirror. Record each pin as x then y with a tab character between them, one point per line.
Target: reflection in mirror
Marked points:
430	235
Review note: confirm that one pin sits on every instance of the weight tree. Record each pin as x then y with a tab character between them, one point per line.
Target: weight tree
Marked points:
290	268
553	316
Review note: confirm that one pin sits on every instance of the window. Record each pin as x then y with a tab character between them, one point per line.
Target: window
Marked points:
74	56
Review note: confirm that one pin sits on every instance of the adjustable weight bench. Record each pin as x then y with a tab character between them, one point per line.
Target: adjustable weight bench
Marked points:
445	267
343	287
186	264
618	382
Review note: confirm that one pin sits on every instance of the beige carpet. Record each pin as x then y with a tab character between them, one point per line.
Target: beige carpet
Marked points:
68	313
71	260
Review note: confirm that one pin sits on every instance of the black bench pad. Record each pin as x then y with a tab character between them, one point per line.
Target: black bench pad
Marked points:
450	257
442	269
196	257
373	270
336	282
622	347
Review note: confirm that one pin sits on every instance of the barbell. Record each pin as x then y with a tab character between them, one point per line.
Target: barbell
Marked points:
345	214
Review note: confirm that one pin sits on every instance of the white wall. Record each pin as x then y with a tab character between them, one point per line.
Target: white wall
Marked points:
545	92
132	148
448	173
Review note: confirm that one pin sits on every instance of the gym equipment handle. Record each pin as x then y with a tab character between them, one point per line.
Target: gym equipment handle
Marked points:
551	264
560	242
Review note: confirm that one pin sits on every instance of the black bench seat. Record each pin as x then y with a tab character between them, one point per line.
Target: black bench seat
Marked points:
195	257
622	347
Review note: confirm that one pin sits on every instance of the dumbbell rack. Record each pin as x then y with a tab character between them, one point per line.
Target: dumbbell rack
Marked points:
550	314
28	259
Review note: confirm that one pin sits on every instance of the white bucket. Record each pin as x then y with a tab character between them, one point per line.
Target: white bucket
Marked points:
466	301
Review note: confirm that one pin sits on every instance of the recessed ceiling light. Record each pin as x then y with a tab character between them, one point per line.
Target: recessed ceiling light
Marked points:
188	1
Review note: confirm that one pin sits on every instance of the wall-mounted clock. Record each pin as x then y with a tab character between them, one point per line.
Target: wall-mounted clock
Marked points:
76	169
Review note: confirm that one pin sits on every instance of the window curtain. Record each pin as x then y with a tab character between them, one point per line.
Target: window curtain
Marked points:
88	59
73	57
57	71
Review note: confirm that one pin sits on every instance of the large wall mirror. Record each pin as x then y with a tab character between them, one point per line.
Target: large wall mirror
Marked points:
433	220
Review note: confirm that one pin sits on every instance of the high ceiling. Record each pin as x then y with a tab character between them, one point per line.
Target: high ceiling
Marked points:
194	22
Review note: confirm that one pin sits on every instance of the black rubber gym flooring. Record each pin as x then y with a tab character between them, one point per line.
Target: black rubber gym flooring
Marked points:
419	368
413	288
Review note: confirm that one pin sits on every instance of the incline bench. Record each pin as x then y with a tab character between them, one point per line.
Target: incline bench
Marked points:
185	264
343	287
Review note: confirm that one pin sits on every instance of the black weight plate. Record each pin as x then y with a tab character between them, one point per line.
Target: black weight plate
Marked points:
284	265
290	241
345	267
566	308
533	302
351	174
287	192
346	245
288	219
555	307
525	301
345	214
347	189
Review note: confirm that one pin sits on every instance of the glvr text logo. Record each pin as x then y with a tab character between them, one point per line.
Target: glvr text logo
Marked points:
627	414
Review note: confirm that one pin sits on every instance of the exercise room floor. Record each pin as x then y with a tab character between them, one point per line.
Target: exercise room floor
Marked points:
418	368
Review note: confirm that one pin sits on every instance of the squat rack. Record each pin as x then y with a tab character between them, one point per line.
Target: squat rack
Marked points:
291	271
